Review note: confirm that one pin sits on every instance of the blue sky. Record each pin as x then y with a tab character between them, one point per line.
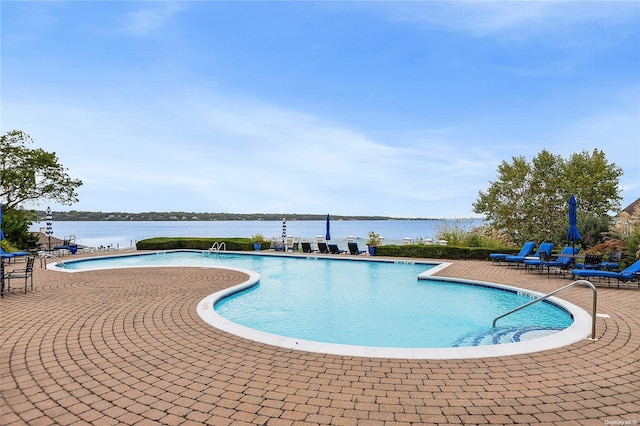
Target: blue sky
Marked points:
352	108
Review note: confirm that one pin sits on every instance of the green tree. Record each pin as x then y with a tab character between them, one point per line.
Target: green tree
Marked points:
503	204
32	175
594	182
29	176
528	201
15	224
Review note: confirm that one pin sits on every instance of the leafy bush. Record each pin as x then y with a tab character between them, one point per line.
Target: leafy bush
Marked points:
258	239
431	251
437	252
173	243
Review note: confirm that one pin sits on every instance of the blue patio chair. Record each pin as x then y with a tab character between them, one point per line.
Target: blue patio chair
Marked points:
526	250
545	248
517	260
591	261
613	262
2	277
629	274
561	263
12	254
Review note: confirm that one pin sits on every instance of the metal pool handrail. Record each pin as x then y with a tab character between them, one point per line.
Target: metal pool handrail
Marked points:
49	255
217	246
546	296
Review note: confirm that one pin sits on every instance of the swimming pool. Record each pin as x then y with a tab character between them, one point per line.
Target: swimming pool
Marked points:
355	307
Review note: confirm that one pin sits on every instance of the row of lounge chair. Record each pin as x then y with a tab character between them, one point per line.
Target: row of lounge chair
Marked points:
332	248
594	266
631	273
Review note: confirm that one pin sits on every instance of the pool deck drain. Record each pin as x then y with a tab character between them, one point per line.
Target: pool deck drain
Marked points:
127	347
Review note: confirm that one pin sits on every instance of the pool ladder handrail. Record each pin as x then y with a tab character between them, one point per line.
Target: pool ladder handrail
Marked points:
217	246
546	296
58	261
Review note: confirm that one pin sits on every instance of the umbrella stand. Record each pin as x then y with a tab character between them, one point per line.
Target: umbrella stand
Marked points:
328	235
574	234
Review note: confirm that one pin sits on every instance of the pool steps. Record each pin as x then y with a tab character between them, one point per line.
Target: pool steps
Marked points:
505	335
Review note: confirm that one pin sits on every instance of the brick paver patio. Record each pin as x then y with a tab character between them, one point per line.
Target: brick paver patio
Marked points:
127	347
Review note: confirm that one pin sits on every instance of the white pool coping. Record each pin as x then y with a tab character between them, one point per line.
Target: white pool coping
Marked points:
580	329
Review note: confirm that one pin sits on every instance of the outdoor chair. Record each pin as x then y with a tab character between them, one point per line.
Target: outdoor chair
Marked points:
353	249
322	248
561	264
306	248
334	249
613	262
13	254
591	261
631	273
540	263
543	253
277	245
517	260
26	273
526	250
2	277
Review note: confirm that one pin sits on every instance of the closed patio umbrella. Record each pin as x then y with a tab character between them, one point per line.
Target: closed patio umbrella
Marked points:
1	231
574	234
328	236
49	230
284	230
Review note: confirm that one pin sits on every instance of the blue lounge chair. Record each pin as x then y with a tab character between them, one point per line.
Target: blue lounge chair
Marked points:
562	263
4	254
629	274
353	249
545	248
526	250
515	259
11	255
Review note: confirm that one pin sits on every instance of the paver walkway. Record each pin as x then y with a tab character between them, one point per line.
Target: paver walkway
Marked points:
127	347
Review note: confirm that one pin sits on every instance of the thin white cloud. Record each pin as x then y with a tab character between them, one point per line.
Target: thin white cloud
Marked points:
244	155
151	17
140	143
510	19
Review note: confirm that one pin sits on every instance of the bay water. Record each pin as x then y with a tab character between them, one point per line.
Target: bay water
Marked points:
123	234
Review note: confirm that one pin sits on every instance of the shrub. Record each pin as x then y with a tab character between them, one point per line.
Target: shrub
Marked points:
258	239
173	243
436	251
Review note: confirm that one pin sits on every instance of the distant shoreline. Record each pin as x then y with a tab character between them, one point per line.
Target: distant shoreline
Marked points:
74	215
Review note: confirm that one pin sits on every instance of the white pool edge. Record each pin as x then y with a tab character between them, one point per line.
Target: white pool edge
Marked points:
578	330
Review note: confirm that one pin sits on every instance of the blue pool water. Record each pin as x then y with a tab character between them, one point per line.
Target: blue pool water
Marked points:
363	303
